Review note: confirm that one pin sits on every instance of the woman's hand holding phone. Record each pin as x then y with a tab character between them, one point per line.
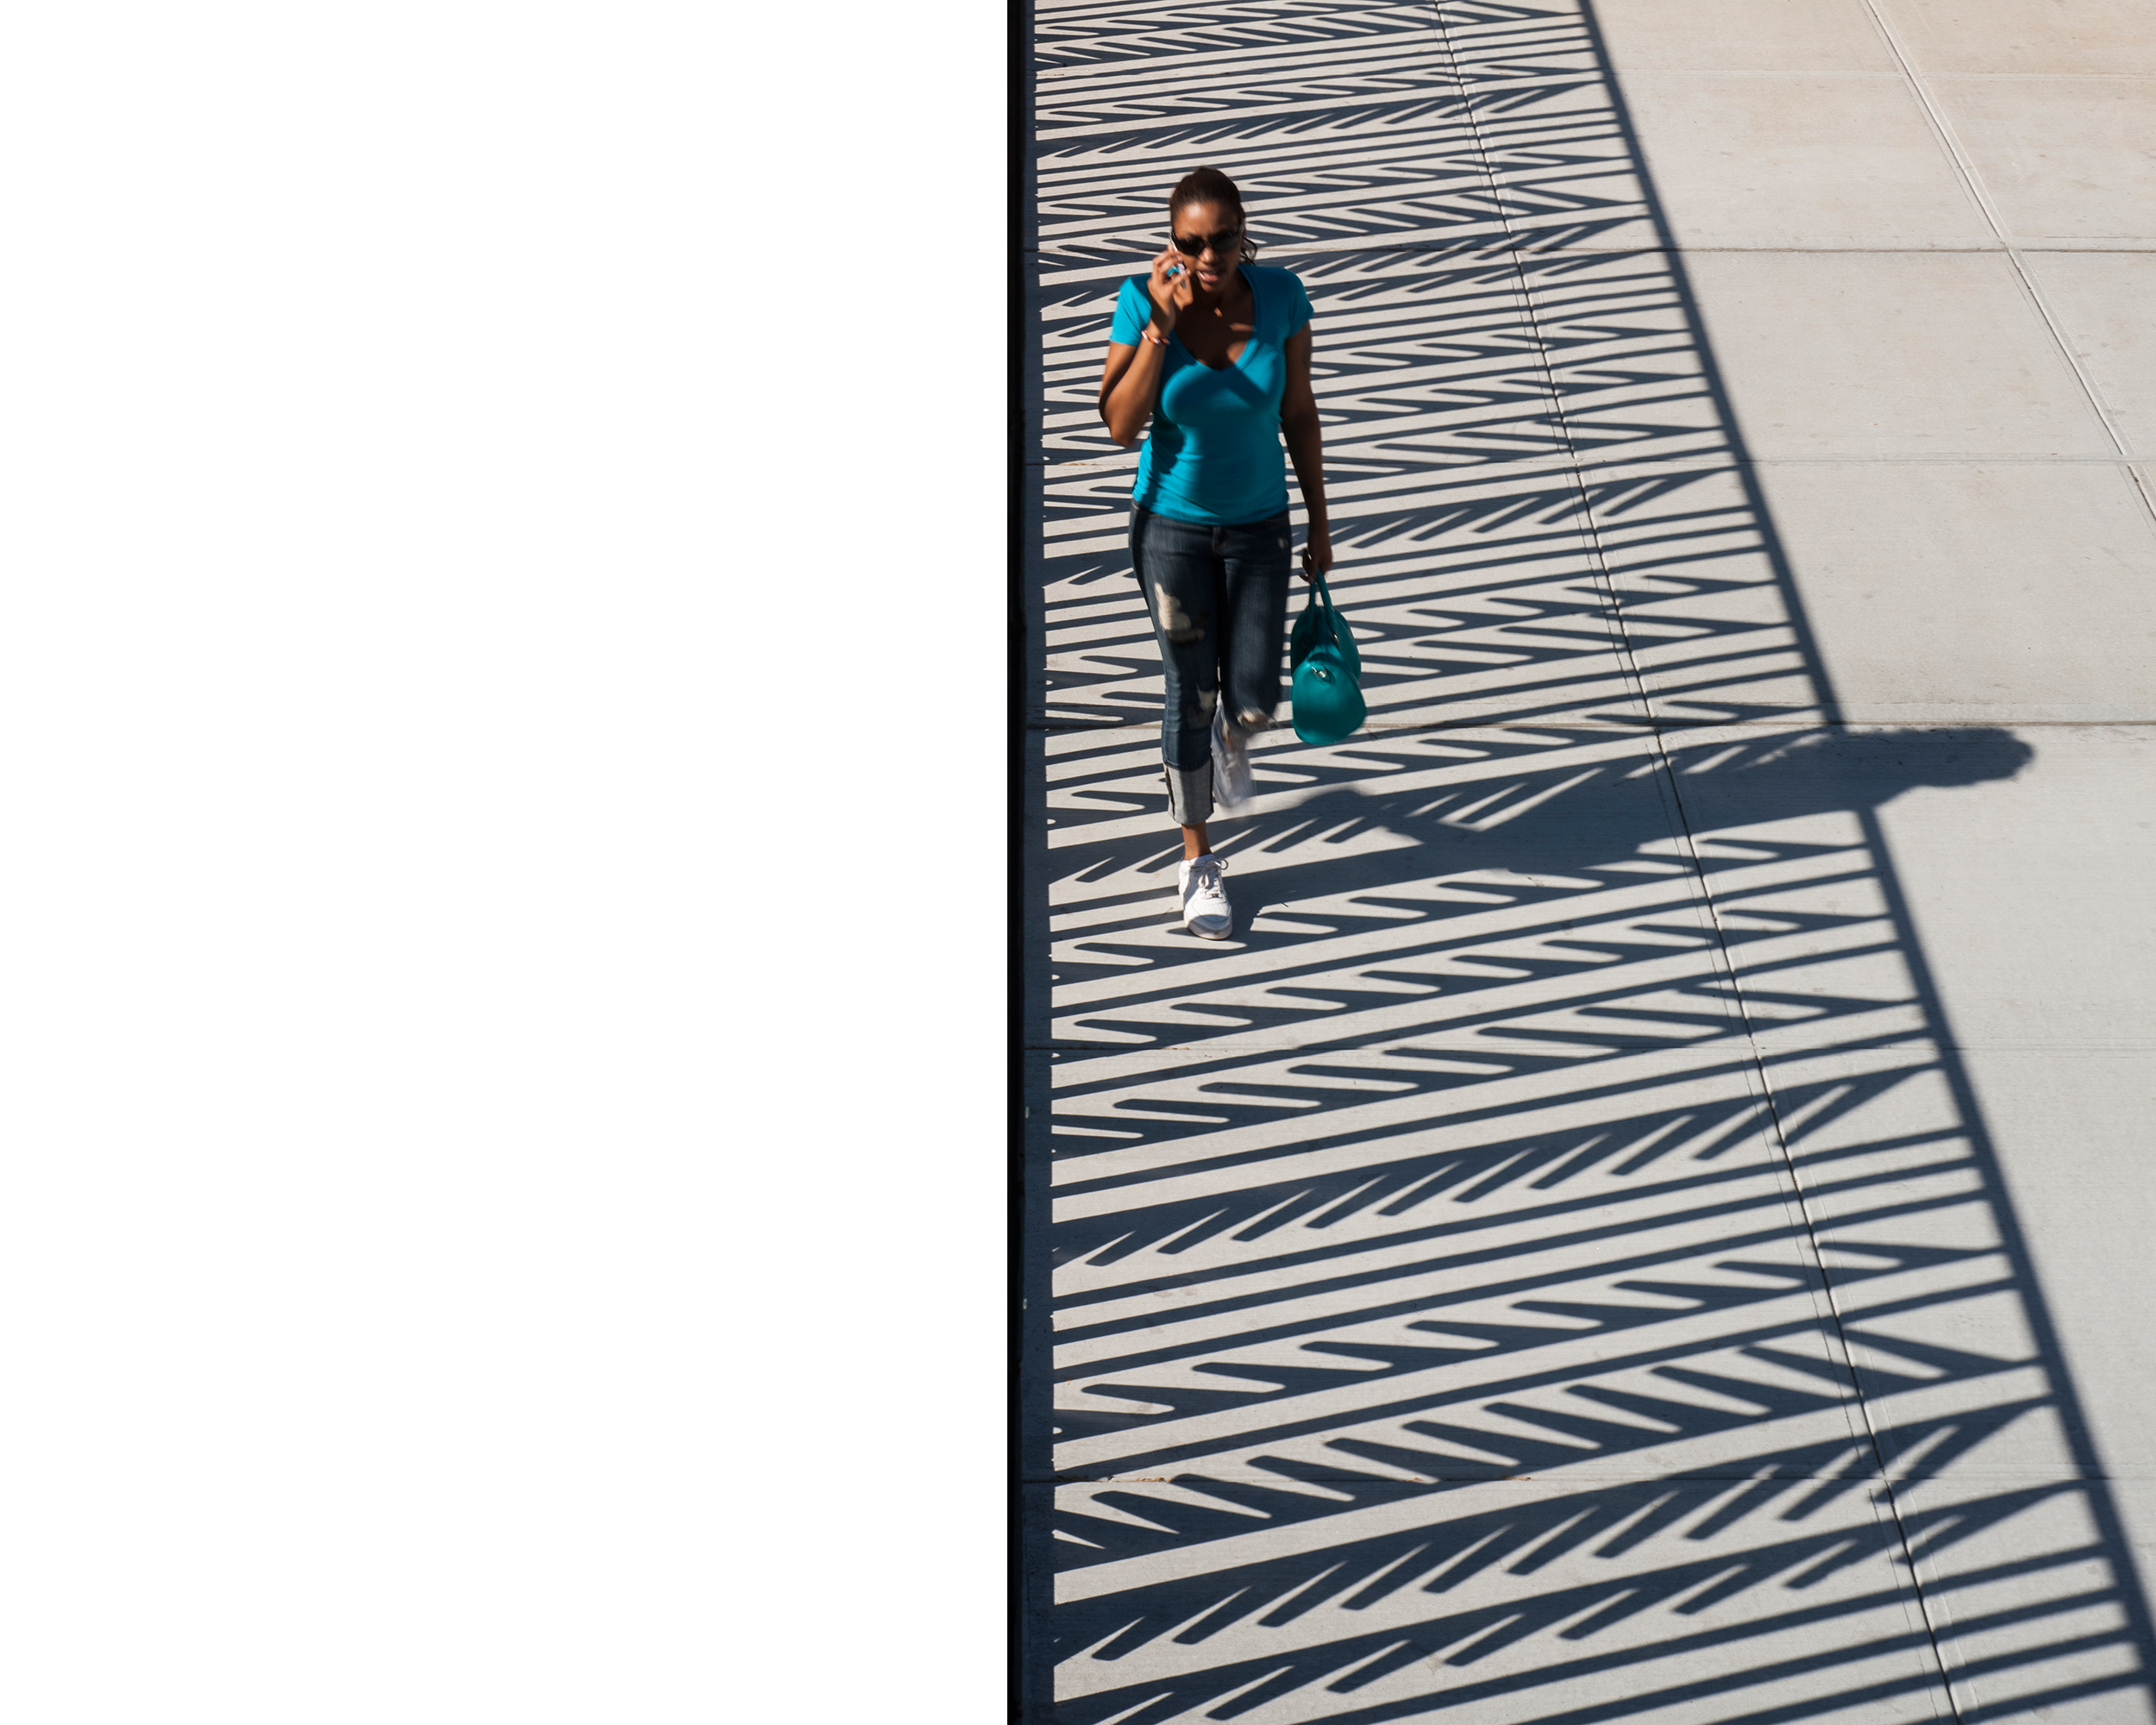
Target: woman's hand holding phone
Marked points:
1171	288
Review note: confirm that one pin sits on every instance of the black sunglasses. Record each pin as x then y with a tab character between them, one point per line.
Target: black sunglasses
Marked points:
1219	244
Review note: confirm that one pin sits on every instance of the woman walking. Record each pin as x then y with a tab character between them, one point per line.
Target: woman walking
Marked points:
1215	351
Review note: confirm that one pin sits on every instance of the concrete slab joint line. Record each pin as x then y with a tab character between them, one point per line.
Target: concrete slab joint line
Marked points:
1979	193
1551	1264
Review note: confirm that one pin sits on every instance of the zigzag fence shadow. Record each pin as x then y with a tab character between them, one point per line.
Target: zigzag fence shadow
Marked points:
1598	819
1551	1264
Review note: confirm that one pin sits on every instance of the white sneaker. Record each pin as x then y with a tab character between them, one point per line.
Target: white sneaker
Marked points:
1230	764
1205	911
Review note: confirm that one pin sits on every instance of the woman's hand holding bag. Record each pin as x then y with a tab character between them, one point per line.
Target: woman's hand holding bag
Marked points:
1327	693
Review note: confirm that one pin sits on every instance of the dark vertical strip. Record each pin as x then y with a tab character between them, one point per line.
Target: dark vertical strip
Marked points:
1030	1673
1017	149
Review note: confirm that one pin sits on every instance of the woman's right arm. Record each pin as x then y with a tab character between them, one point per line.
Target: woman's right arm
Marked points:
1130	382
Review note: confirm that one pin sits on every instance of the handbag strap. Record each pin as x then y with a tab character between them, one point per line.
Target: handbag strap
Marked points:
1321	596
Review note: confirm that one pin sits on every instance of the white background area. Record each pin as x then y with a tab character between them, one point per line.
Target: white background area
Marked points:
502	750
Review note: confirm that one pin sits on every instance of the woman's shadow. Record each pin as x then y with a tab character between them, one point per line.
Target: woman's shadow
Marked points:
1617	811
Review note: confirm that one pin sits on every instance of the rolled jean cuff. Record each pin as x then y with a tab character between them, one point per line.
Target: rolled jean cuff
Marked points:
1190	794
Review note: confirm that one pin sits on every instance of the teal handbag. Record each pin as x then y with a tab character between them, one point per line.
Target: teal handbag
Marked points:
1326	693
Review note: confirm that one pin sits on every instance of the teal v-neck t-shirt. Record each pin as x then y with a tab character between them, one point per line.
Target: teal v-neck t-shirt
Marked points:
1215	455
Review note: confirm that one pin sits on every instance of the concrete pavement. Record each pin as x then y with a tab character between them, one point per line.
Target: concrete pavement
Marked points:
1649	1218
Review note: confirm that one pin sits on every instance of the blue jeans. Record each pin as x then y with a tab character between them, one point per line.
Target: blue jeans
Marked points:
1217	597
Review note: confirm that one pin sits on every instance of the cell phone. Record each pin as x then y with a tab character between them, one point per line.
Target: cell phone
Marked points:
1174	270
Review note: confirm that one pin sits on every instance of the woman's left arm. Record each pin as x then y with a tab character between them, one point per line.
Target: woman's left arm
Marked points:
1306	448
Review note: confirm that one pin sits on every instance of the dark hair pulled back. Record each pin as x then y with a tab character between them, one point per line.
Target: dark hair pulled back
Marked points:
1210	185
